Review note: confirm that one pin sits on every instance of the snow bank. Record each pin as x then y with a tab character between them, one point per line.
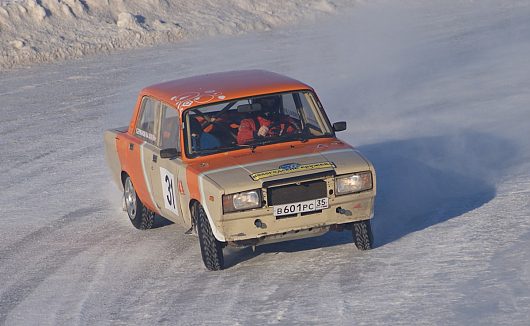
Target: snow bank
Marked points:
47	30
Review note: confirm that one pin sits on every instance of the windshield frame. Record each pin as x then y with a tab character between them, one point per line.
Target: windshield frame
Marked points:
304	136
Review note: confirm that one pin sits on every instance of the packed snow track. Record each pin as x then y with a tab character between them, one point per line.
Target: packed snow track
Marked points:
435	94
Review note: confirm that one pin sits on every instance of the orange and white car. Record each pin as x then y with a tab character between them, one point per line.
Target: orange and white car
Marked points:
240	158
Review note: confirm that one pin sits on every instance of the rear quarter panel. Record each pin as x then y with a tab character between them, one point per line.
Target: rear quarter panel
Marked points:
110	138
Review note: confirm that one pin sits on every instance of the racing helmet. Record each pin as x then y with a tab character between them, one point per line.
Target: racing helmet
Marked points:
270	105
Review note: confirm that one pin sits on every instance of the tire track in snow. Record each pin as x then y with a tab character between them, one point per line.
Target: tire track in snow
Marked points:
27	269
137	271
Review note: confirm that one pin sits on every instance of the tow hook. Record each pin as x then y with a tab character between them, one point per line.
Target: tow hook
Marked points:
343	211
259	224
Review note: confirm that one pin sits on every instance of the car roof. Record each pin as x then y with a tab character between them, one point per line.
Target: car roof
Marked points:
199	90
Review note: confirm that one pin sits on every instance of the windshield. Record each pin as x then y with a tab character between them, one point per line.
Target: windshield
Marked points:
254	121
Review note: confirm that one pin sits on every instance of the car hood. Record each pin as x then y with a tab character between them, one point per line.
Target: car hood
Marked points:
251	170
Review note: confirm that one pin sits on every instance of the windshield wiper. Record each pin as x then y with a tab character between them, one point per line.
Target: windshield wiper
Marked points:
277	139
251	146
223	149
302	136
261	142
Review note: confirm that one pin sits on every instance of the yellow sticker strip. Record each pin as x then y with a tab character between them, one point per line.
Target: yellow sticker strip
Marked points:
297	168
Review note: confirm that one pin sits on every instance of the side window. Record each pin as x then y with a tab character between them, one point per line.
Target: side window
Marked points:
145	126
169	128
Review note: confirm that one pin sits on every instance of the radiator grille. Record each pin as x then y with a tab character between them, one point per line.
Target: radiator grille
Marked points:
294	193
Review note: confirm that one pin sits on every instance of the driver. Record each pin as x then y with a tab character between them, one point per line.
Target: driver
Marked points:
199	138
269	122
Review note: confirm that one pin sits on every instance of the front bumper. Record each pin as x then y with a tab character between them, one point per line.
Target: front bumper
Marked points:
243	226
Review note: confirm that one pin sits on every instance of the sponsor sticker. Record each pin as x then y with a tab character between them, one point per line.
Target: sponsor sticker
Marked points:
291	168
189	99
145	134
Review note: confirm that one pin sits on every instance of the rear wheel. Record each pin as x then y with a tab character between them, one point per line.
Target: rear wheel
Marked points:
211	248
141	217
362	235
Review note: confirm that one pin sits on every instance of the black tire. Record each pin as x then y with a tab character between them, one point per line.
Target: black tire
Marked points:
140	216
211	248
362	235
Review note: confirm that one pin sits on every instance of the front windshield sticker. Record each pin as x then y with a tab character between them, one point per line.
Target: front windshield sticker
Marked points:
291	168
188	99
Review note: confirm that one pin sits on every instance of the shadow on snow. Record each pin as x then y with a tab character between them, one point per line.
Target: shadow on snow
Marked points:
420	182
425	181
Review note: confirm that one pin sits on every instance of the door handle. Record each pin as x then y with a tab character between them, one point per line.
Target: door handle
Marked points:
155	158
131	146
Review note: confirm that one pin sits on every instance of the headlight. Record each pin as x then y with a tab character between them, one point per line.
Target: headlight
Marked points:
241	201
353	183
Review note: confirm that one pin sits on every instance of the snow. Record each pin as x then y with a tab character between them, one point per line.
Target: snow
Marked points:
434	93
35	31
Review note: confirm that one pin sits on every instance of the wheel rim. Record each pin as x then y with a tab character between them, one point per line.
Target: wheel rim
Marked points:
130	199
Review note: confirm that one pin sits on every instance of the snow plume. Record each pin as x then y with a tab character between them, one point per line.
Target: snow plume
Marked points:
422	95
48	30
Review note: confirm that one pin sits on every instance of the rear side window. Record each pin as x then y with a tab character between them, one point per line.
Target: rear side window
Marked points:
169	128
145	126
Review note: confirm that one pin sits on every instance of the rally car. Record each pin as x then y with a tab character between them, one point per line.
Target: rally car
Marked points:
240	158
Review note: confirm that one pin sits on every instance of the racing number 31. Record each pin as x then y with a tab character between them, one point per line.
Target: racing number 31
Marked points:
171	196
168	182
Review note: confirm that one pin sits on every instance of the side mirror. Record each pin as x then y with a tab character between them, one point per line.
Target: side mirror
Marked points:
339	126
169	153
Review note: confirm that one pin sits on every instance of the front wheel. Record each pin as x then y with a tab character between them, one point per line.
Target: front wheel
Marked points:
211	248
141	217
362	235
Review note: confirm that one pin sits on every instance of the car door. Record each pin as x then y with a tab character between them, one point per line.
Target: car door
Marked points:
141	148
163	172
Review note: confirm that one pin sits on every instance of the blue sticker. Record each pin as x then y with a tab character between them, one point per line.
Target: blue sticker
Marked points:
289	166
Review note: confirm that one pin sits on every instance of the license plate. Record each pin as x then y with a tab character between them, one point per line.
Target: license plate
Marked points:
301	207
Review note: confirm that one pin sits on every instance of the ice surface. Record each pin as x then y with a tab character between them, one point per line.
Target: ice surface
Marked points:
435	94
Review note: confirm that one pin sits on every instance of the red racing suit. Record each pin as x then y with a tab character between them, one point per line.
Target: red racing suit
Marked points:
248	128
